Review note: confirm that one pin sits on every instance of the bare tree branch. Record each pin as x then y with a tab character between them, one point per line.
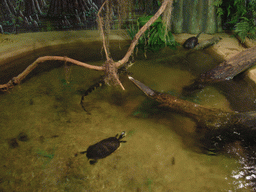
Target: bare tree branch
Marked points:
141	31
110	67
102	31
21	76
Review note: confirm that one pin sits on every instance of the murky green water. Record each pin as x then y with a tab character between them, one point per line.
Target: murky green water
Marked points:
161	152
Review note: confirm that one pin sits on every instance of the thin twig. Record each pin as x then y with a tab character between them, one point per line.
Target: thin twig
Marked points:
102	31
118	81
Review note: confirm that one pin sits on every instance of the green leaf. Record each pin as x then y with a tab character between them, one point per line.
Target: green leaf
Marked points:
153	38
161	32
143	20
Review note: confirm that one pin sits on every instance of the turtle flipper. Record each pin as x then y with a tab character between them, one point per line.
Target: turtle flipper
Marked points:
92	162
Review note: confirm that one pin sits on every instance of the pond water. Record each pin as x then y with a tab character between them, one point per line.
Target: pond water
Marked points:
43	126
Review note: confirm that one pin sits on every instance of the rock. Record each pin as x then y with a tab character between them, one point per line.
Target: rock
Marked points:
13	143
251	74
23	136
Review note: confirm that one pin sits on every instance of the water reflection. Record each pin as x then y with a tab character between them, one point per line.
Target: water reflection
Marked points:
245	175
240	145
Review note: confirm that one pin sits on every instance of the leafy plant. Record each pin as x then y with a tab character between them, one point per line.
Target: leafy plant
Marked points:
155	38
238	15
245	28
219	10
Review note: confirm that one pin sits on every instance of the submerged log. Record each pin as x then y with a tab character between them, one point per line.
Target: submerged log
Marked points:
205	117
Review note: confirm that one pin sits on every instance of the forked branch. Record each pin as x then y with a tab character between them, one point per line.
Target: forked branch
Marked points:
110	67
16	80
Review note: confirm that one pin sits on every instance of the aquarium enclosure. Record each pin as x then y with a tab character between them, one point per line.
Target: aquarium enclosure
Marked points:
127	95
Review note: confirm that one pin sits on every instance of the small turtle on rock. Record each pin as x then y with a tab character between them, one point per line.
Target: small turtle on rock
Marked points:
191	42
103	148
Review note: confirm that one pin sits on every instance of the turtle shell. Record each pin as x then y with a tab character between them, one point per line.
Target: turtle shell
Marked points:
103	148
190	43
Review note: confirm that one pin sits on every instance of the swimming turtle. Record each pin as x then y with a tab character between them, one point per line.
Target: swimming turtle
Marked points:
191	42
103	148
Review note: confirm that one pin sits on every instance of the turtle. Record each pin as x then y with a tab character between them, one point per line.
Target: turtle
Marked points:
191	42
103	148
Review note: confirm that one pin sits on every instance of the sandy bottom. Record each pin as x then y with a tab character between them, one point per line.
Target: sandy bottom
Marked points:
161	152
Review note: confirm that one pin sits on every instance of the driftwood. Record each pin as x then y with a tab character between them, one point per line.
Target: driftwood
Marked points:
17	80
207	43
205	117
227	70
232	67
110	67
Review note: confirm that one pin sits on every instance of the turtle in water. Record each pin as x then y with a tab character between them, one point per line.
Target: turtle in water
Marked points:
103	148
191	42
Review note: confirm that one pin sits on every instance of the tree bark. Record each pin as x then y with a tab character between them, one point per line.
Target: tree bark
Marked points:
16	80
207	43
229	69
205	117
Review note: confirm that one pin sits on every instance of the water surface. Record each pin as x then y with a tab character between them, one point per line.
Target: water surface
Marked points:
162	152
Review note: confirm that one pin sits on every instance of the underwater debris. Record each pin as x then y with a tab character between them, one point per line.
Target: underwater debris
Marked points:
13	143
45	154
23	136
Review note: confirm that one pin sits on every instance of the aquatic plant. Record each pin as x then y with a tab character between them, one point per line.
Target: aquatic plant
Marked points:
45	154
48	156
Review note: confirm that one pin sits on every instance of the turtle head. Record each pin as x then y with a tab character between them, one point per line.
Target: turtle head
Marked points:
122	135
